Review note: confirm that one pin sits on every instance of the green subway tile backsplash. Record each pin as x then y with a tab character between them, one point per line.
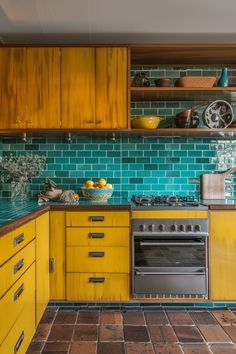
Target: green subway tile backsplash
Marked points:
133	165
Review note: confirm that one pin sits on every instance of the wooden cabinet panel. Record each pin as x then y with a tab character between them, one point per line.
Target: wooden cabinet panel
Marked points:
97	218
111	88
97	259
77	87
222	255
16	266
14	241
42	264
97	286
57	255
97	236
12	88
43	87
14	301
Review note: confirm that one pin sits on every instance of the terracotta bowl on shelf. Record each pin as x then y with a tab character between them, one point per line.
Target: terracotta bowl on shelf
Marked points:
145	122
162	82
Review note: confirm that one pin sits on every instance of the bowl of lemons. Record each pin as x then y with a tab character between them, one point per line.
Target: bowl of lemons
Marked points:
99	191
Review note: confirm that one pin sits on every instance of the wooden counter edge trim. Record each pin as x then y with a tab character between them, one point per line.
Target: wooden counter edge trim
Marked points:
12	225
222	207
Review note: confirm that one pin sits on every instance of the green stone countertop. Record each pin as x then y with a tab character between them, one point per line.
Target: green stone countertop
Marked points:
12	211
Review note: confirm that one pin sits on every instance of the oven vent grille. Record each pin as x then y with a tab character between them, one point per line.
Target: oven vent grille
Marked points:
170	296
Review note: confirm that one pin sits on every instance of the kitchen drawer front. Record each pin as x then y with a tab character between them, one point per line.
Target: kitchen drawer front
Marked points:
14	241
21	333
13	302
98	286
97	259
97	236
16	266
97	218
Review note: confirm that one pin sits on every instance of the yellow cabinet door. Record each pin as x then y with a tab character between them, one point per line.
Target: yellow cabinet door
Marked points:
57	255
97	259
97	236
77	87
98	286
12	88
222	255
42	264
43	87
111	88
98	218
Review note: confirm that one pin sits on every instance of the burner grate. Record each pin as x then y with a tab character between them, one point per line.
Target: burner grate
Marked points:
144	200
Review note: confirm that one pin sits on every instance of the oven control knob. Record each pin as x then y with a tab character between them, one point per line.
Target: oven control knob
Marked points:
143	227
161	227
198	228
190	228
174	227
152	227
182	227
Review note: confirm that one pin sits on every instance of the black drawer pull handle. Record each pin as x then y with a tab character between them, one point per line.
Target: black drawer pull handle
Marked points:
19	342
96	280
96	235
51	265
18	266
96	218
18	239
96	254
18	292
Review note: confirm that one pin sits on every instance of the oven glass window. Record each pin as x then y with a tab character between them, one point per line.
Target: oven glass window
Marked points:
170	253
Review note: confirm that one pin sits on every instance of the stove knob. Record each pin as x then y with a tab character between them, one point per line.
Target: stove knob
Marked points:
161	227
190	227
152	227
143	227
182	227
198	228
174	227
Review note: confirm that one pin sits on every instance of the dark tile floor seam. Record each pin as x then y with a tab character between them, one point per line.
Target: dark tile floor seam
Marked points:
55	315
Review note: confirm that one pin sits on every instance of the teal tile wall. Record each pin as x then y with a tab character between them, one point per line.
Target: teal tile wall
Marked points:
133	165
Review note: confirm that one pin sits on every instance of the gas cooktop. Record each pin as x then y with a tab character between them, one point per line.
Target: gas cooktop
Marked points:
164	201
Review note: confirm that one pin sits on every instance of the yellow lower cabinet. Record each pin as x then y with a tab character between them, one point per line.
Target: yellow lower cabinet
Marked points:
16	266
42	264
16	240
222	255
22	332
13	302
98	286
97	218
97	259
97	236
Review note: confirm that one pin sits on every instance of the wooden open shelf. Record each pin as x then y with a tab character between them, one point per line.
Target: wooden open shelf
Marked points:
229	133
182	93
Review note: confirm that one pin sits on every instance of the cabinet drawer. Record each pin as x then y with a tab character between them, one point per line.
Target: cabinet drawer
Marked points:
98	286
21	333
14	241
97	236
97	259
13	302
16	266
97	218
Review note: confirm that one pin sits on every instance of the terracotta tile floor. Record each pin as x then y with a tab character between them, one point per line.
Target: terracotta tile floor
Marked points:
161	330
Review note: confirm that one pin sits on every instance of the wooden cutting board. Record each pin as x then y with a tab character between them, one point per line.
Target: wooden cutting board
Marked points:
213	185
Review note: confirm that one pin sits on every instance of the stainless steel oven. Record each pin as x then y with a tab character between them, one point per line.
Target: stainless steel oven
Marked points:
170	258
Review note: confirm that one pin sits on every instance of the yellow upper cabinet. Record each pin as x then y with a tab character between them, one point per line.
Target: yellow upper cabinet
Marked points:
77	87
94	88
111	88
12	88
43	88
30	88
222	255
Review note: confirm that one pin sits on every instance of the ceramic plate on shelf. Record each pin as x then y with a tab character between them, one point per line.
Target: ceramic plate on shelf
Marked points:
218	114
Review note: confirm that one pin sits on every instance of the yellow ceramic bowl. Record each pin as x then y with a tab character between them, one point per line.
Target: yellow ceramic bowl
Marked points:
145	122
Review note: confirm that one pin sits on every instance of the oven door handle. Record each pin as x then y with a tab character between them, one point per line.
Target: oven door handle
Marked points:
171	243
172	234
169	273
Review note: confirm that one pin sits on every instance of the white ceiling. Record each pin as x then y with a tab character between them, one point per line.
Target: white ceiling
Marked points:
117	21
